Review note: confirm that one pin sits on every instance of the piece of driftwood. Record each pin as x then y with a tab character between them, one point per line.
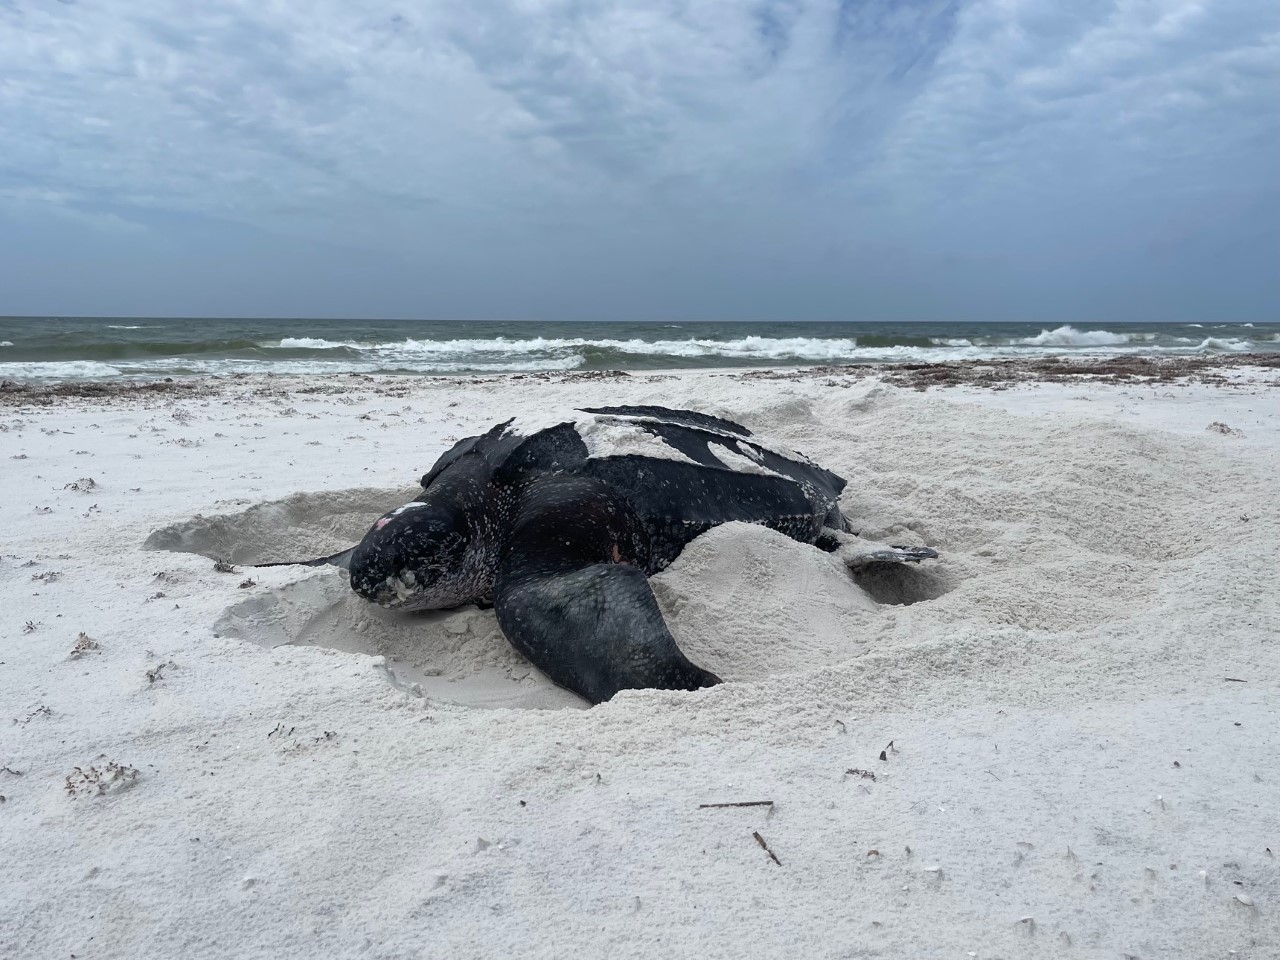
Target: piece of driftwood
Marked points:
760	840
740	803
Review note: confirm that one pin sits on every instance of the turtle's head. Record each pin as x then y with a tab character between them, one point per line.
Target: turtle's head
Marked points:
418	557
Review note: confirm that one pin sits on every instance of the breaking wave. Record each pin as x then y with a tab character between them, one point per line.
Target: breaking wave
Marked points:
1069	336
768	348
311	343
817	349
64	370
1220	343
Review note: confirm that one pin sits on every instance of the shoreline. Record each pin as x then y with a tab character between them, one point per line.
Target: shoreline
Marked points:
993	374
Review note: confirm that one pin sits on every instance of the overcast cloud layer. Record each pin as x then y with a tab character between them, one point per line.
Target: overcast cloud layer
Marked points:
788	159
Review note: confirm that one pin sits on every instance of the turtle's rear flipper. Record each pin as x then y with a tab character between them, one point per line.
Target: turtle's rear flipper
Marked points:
857	560
570	599
858	554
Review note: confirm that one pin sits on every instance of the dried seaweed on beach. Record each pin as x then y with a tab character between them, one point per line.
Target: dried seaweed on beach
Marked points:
15	392
1001	374
111	777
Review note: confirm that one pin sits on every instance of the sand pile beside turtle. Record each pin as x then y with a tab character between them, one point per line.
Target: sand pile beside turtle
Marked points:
735	578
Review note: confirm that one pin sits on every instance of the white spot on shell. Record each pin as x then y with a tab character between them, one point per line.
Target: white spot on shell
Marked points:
412	505
738	463
611	437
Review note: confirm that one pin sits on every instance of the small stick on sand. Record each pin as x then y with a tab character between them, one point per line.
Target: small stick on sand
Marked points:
741	803
1235	680
772	855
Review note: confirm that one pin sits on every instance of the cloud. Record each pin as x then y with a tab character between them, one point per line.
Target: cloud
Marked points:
1107	95
842	146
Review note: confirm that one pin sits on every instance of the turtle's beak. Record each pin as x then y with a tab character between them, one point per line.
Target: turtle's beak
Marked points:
397	591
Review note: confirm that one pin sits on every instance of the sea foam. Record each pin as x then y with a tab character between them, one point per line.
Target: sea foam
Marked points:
1068	336
59	370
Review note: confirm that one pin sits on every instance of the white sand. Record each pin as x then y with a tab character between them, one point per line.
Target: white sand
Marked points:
1071	773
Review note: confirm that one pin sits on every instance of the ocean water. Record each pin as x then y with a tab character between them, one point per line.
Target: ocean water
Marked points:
107	348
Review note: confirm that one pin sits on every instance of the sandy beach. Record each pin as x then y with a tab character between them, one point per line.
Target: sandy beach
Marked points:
1058	740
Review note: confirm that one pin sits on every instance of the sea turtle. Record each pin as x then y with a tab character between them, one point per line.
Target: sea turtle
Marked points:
558	525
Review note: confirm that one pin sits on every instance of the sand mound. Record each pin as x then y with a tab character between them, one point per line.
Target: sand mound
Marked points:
749	603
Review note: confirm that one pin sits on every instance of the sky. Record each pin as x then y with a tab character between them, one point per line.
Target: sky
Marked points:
1028	160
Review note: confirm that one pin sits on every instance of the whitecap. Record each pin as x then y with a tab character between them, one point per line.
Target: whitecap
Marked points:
765	348
1232	345
311	343
1068	336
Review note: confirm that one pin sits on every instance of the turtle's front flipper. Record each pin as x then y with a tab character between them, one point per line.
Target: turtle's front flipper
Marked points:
569	600
595	630
858	554
342	560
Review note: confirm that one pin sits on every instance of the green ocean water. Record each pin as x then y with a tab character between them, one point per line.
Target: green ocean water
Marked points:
104	348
